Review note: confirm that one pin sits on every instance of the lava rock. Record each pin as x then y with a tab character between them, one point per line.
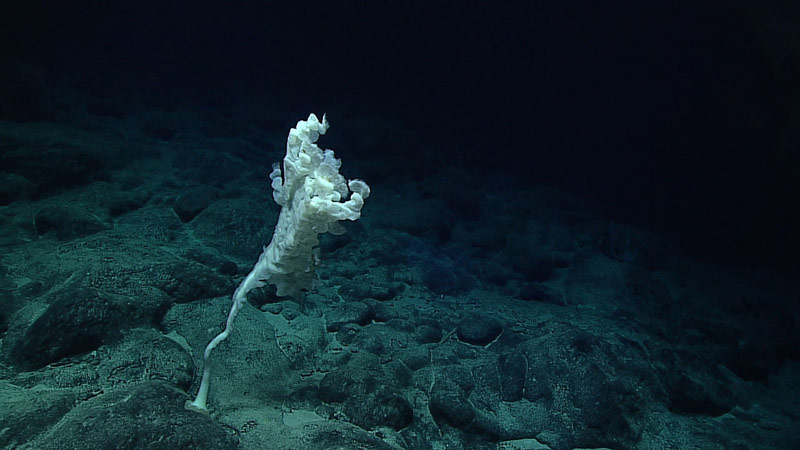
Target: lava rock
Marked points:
479	330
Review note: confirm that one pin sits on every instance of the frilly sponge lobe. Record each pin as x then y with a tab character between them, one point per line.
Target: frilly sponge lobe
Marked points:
314	196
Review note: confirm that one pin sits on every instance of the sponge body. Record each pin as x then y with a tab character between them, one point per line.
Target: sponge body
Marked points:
314	197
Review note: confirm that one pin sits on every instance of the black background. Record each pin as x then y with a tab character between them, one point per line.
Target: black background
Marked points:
671	115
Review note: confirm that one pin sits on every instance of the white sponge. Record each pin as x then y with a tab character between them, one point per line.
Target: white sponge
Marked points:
313	197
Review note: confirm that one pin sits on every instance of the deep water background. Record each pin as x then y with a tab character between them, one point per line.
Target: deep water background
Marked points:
676	116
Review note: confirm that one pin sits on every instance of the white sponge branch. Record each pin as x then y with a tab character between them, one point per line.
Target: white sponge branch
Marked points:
314	197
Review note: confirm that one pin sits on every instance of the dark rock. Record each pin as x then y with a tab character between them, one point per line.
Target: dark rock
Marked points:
347	333
370	393
374	339
540	293
343	382
401	325
587	406
417	358
193	201
149	415
450	406
145	355
383	312
236	227
215	167
536	268
78	321
360	290
689	396
477	329
389	409
69	223
186	282
27	412
446	280
14	188
57	166
337	435
427	334
633	247
228	268
352	312
512	369
460	376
